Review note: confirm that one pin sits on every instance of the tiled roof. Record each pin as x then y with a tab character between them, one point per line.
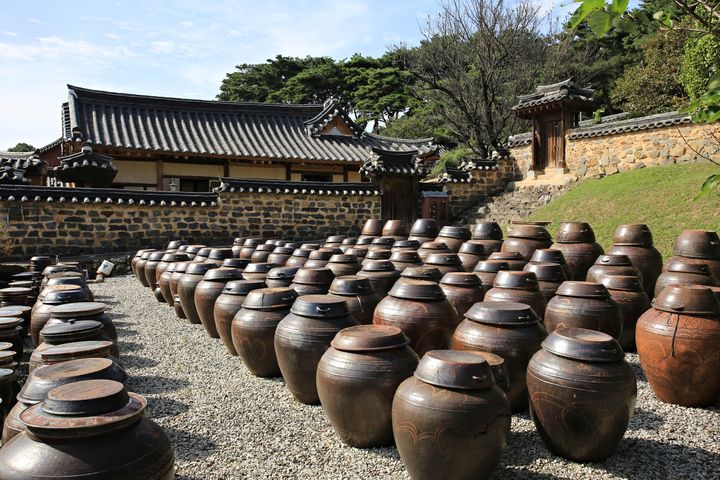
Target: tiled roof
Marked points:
15	167
545	94
630	125
214	128
288	187
520	139
86	166
384	162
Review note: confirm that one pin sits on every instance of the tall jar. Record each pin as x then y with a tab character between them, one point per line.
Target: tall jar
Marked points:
151	267
424	230
582	394
463	290
577	242
525	239
681	273
186	289
612	265
228	304
489	235
140	265
698	246
167	260
453	237
521	287
179	270
487	270
208	290
445	262
303	336
515	260
357	378
136	258
549	276
382	275
584	305
628	293
359	294
450	419
281	277
312	281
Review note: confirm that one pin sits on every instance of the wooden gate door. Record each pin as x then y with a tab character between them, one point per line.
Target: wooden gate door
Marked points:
399	198
551	150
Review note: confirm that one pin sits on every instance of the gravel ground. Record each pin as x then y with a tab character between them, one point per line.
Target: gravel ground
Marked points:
225	423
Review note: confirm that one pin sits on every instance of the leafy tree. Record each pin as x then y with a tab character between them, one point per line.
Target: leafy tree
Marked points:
700	63
255	82
22	147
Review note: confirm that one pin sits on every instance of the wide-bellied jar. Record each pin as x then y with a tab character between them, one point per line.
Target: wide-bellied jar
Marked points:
373	227
424	230
11	332
487	270
627	291
405	245
139	265
281	277
549	277
359	294
470	253
228	304
186	289
612	265
382	275
262	253
450	419
202	254
45	378
489	235
525	239
65	278
257	271
453	237
403	259
382	243
208	290
280	255
681	273
217	255
395	228
70	332
582	393
357	378
167	260
422	311
248	247
378	254
40	313
312	281
583	305
89	429
698	246
428	248
678	341
298	257
179	270
422	272
508	329
253	328
463	290
84	311
550	255
334	241
341	265
445	262
151	267
302	337
192	250
515	260
319	258
521	287
577	242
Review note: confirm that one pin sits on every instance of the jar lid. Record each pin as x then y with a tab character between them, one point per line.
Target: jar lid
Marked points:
369	338
463	233
10	322
487	231
321	306
547	272
156	256
22	283
192	249
301	252
30	275
283	250
349	241
335	239
360	252
57	295
7	356
310	246
696	268
77	309
343	258
417	290
529	231
198	268
459	369
378	266
548	255
223	274
614	260
506	256
572	288
290	245
516	280
261	267
425	227
220	253
629	283
72	268
445	259
439	246
314	276
175	257
583	344
633	234
687	300
12	291
240	263
75	350
461	279
472	248
503	313
266	298
177	243
242	287
40	258
252	242
203	252
180	267
65	275
405	256
15	311
422	272
575	232
698	244
5	346
406	244
351	285
491	266
321	254
59	331
365	240
279	273
380	254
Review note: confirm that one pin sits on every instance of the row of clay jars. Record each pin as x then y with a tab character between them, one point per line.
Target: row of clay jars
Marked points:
208	290
549	277
489	235
636	242
53	296
359	295
453	237
65	278
487	270
697	247
281	276
632	301
525	239
612	265
463	290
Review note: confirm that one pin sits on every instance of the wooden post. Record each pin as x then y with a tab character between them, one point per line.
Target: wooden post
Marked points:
288	172
159	173
226	168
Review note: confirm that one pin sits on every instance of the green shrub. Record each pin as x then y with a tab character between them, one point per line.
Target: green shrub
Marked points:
700	62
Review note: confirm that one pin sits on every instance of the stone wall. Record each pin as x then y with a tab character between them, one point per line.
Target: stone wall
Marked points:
484	183
518	202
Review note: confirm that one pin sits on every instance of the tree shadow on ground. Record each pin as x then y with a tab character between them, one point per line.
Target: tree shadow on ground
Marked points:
188	445
159	407
155	384
645	420
134	361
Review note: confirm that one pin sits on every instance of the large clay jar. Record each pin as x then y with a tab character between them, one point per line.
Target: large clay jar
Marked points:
445	262
140	266
577	242
11	332
382	275
489	235
677	341
450	420
698	246
298	258
218	255
175	244
52	354
312	281
186	289
612	265
429	274
584	305
262	253
334	241
248	248
549	276
253	328
405	245
382	243
280	255
582	394
179	270
88	429
136	258
348	243
257	271
319	258
341	265
202	254
240	263
281	277
164	283
403	259
208	290
359	294
45	378
357	378
422	311
66	278
515	260
550	255
463	290
508	329
470	253
394	228
521	287
228	304
429	248
303	336
374	255
40	313
628	293
424	230
373	227
453	237
84	311
70	332
151	267
525	239
487	270
167	260
192	250
680	273
636	242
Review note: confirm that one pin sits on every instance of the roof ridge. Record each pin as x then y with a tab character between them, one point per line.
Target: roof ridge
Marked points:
400	140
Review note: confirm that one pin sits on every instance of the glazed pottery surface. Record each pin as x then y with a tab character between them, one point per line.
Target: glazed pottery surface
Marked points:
208	290
359	295
583	305
228	304
632	300
521	287
463	290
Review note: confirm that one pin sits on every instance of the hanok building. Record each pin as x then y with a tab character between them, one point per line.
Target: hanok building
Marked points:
158	143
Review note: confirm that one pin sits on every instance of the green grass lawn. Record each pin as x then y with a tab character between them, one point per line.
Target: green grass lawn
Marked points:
660	197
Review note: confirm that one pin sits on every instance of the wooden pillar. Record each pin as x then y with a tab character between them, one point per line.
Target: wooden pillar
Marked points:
345	174
159	173
288	171
226	168
561	160
534	147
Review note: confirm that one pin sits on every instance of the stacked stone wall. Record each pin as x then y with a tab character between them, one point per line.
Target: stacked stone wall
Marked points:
485	183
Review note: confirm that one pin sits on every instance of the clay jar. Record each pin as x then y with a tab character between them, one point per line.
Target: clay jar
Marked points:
405	245
445	262
53	354
208	290
698	246
422	311
280	255
489	235
192	250
382	275
394	228
549	255
303	336
525	239
487	270
679	273
430	274
612	265
453	237
11	332
508	329
372	228
382	243
262	253
450	420
373	255
16	296
186	289
319	258
463	290
403	259
582	394
677	341
164	283
70	332
40	313
140	266
636	242
9	388
167	260
577	242
281	277
253	328
228	304
470	253
257	271
549	276
248	248
359	294
424	230
334	241
312	281
84	311
583	305
151	267
298	258
515	260
633	302
341	265
428	248
521	287
66	278
89	429
357	378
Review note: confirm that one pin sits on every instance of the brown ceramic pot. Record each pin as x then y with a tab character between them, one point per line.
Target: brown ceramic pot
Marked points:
186	289
262	253
424	230
636	242
228	304
612	265
248	248
429	248
341	265
298	258
382	243
549	255
525	239
445	262
583	305
41	310
319	258
280	255
280	277
515	260
84	311
208	290
577	242
179	270
393	228
373	227
405	245
167	260
680	273
403	259
463	290
374	255
520	287
470	253
151	267
359	294
257	271
487	270
140	266
628	293
453	237
312	281
382	275
549	276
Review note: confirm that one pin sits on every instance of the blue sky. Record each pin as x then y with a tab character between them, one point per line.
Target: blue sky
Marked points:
180	48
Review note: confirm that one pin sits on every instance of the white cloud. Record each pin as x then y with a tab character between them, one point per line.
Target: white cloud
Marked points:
36	20
163	47
9	33
113	36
